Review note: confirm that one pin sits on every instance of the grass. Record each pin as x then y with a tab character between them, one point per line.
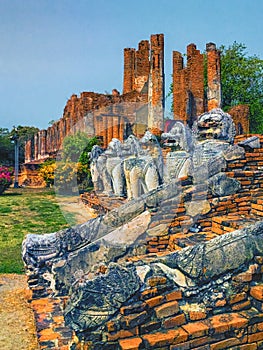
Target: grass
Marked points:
24	211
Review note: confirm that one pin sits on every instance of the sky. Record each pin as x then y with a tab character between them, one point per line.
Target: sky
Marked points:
51	49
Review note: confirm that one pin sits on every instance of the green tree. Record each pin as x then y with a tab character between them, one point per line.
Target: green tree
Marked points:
75	162
6	148
76	147
24	133
47	170
242	82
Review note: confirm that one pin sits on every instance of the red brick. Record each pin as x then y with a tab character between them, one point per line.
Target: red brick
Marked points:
152	250
154	301
255	337
183	346
135	319
243	277
175	295
121	334
246	347
196	329
226	322
257	292
237	298
130	344
165	338
155	281
197	315
48	334
224	344
257	327
220	303
167	309
173	322
241	306
149	293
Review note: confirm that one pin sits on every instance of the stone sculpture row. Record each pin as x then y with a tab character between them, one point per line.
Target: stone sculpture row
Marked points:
138	166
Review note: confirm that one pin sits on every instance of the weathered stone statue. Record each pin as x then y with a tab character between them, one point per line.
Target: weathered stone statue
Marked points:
97	300
143	169
177	161
113	175
213	133
97	163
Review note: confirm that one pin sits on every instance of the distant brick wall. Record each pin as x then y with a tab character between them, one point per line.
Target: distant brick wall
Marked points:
188	85
240	115
189	96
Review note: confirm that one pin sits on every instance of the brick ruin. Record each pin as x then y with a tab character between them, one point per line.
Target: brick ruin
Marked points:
193	277
141	106
217	300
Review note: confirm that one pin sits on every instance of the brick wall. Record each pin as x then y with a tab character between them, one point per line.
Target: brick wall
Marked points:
188	85
189	96
96	114
240	115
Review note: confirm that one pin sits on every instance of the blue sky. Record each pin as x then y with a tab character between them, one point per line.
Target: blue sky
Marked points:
51	49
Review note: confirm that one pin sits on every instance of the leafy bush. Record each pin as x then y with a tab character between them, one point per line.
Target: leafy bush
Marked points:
47	170
73	172
5	178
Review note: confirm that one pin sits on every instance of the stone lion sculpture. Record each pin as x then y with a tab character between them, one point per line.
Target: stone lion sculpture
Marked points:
213	133
112	174
97	163
215	124
177	161
143	169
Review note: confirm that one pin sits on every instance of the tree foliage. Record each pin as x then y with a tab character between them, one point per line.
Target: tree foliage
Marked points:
76	147
242	82
7	153
47	171
75	163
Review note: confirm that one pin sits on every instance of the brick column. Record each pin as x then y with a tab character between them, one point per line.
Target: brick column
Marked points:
110	129
121	129
115	131
156	84
28	151
213	77
195	72
42	151
142	65
179	88
129	70
104	131
36	146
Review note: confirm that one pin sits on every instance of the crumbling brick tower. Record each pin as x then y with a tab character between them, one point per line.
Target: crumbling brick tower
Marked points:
136	68
156	84
144	72
213	77
188	83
